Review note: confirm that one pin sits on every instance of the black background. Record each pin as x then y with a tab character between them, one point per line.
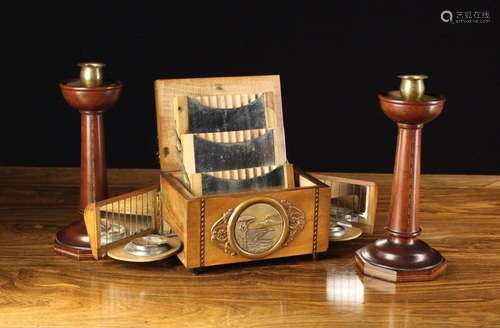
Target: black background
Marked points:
333	58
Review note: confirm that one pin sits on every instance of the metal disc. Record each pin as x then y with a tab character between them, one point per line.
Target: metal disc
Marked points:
148	245
349	233
154	252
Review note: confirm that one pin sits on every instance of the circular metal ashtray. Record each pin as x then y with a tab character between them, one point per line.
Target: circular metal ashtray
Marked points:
150	245
148	248
340	228
336	231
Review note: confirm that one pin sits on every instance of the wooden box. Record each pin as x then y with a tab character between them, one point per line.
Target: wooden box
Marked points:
225	215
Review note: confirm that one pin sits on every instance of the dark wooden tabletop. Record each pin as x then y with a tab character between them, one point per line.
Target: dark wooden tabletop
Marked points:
460	217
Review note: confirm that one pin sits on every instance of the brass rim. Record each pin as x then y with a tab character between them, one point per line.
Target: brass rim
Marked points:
386	97
413	77
236	214
92	64
113	85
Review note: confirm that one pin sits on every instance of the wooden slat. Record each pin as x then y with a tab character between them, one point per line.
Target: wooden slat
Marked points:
265	139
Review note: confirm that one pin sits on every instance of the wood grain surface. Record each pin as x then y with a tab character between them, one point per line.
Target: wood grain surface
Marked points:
459	217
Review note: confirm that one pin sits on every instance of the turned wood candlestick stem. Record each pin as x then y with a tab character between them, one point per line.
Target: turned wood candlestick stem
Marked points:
93	177
401	256
91	96
403	218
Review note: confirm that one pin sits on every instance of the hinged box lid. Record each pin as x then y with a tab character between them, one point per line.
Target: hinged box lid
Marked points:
249	104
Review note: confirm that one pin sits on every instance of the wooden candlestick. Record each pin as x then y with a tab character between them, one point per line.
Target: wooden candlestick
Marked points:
92	97
401	256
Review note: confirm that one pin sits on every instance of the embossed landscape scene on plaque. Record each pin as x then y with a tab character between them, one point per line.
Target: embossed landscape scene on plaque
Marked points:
258	228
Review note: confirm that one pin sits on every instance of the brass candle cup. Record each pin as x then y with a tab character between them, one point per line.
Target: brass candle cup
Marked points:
412	87
91	74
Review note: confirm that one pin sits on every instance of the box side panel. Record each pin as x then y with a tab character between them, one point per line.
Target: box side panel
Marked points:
193	248
305	199
174	209
371	201
323	219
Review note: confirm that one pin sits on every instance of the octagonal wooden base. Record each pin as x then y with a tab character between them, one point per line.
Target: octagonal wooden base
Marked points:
397	262
73	242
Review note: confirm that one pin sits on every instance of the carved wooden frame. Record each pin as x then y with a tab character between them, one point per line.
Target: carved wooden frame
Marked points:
222	231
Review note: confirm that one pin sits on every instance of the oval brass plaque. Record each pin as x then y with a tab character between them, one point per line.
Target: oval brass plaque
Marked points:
257	227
